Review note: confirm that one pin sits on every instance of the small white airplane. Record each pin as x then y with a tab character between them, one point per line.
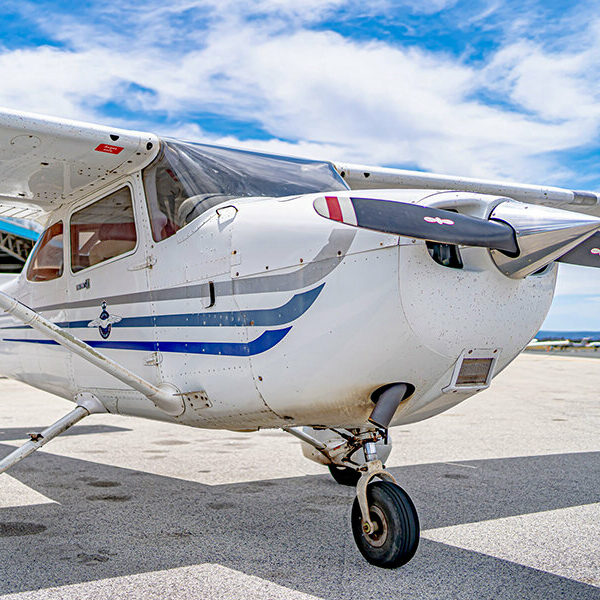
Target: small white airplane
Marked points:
563	344
227	289
548	344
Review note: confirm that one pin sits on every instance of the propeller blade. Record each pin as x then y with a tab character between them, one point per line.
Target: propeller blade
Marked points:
420	222
586	254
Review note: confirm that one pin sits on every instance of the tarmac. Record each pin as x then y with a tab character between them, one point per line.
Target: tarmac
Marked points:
507	485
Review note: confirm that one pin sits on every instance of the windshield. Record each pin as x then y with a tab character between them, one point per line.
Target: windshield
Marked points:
188	179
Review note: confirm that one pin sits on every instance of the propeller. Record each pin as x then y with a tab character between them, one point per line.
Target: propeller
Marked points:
586	254
413	220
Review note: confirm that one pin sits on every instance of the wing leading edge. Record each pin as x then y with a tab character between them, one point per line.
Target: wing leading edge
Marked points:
362	177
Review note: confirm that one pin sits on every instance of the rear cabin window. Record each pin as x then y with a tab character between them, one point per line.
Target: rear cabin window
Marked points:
47	261
102	230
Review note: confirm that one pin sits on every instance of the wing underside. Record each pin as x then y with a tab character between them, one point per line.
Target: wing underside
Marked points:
46	162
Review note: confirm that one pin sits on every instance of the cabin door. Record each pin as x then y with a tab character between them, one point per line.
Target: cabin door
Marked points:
109	300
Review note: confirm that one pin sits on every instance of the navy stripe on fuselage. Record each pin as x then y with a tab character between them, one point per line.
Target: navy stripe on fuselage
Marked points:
264	342
263	317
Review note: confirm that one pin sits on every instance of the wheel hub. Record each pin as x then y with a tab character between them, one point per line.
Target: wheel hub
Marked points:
379	531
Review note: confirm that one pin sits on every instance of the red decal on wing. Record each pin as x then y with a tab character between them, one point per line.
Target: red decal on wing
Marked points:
109	149
333	206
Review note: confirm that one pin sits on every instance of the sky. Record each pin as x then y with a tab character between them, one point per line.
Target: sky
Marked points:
480	88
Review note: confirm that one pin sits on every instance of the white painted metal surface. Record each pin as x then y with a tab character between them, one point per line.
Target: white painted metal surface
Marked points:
164	398
231	290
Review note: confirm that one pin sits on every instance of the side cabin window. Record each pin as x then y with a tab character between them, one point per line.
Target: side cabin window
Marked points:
47	260
102	230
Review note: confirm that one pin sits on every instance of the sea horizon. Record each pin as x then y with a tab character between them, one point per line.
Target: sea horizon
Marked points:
575	335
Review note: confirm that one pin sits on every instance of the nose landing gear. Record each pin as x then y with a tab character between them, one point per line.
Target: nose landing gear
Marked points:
384	519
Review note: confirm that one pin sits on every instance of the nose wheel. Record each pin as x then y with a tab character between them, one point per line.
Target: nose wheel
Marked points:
392	537
385	523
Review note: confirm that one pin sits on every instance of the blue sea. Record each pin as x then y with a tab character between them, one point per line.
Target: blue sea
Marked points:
574	336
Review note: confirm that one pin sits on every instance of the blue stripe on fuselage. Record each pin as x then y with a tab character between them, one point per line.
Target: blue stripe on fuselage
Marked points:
264	342
264	317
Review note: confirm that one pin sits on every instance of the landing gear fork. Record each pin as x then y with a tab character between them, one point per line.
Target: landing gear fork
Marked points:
372	468
385	523
384	519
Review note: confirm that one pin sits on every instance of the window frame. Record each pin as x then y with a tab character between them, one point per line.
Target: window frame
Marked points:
28	265
114	190
148	209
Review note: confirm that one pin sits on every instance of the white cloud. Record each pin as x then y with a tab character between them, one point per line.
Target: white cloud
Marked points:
374	102
576	300
551	85
369	101
318	93
574	280
574	313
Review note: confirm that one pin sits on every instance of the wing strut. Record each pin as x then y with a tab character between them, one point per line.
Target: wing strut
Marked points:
86	405
164	397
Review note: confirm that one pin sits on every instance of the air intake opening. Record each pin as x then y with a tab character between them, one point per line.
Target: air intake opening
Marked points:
474	370
446	255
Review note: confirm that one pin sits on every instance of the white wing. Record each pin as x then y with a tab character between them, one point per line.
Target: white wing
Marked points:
46	162
362	177
113	319
538	344
95	323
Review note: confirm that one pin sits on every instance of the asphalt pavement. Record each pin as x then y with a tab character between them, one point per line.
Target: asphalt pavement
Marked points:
507	486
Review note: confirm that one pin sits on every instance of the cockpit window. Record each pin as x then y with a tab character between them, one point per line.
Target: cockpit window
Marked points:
47	260
188	179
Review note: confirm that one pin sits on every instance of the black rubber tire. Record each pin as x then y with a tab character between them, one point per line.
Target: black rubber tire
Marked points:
398	537
344	475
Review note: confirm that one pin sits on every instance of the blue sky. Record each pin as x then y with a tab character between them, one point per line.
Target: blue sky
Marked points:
480	88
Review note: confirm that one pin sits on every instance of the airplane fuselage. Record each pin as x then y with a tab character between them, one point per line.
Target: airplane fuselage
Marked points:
276	316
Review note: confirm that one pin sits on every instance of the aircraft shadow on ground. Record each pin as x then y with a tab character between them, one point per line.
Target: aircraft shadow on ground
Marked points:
294	532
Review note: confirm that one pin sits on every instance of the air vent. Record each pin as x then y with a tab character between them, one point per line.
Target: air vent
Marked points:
474	370
446	255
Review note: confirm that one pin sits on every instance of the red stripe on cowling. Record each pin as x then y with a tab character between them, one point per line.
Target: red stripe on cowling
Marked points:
333	206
